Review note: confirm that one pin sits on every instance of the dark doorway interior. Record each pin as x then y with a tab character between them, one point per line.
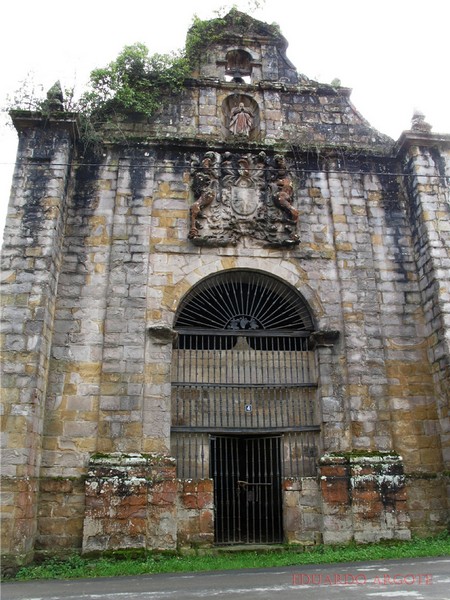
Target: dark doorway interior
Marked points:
247	489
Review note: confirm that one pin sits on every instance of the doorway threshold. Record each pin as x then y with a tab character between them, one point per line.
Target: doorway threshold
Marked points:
251	548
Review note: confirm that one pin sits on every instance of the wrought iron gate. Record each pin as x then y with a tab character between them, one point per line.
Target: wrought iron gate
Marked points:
244	407
247	489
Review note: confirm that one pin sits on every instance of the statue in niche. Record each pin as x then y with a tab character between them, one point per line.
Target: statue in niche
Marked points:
241	120
205	187
282	189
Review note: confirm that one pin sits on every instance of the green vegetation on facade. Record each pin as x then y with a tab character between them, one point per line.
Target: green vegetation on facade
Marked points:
137	82
124	564
204	33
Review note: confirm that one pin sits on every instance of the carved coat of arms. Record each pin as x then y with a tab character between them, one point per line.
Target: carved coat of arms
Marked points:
242	195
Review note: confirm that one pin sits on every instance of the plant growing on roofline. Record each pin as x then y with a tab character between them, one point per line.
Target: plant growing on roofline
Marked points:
135	82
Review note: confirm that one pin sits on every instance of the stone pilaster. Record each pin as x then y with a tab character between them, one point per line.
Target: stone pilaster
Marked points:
123	364
31	262
364	369
426	164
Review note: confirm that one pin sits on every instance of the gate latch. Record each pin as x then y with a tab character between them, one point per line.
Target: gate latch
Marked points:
244	483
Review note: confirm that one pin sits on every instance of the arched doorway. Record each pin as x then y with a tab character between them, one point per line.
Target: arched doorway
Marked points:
244	408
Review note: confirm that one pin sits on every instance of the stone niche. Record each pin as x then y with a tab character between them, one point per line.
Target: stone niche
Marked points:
134	502
364	497
231	104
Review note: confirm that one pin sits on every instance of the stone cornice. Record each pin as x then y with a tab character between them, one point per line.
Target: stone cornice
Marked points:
309	87
417	138
27	119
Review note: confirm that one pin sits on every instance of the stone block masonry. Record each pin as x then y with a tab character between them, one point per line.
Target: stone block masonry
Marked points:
31	263
103	252
429	212
364	498
134	501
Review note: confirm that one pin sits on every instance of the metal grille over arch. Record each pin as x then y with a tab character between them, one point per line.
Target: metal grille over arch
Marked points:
244	300
242	365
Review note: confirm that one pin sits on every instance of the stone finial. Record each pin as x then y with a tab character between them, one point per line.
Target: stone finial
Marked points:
418	123
55	98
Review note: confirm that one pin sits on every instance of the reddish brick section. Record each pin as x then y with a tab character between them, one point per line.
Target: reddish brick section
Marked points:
134	501
334	483
18	518
60	517
164	493
162	513
195	513
117	499
116	510
364	498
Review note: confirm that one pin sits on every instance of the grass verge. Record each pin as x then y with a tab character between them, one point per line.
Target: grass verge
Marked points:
76	566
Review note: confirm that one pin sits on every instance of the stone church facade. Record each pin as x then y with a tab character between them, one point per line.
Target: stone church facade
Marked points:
232	326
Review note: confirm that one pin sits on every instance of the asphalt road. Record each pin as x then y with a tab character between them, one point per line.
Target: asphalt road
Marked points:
414	579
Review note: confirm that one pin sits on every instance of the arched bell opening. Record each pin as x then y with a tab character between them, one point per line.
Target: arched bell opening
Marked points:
238	67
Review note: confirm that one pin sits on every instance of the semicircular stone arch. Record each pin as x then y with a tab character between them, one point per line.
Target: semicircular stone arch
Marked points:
294	278
240	299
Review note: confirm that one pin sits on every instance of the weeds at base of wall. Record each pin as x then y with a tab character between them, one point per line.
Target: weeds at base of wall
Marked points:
124	563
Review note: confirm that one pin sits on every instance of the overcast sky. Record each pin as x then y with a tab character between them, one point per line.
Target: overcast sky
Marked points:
394	54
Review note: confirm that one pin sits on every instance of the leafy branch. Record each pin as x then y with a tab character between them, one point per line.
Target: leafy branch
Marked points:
134	83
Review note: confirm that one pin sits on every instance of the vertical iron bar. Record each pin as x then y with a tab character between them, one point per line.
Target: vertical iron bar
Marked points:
234	499
247	478
310	452
227	407
269	387
309	374
278	489
225	491
186	458
222	390
290	441
195	464
213	473
305	459
273	491
266	490
202	456
290	410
